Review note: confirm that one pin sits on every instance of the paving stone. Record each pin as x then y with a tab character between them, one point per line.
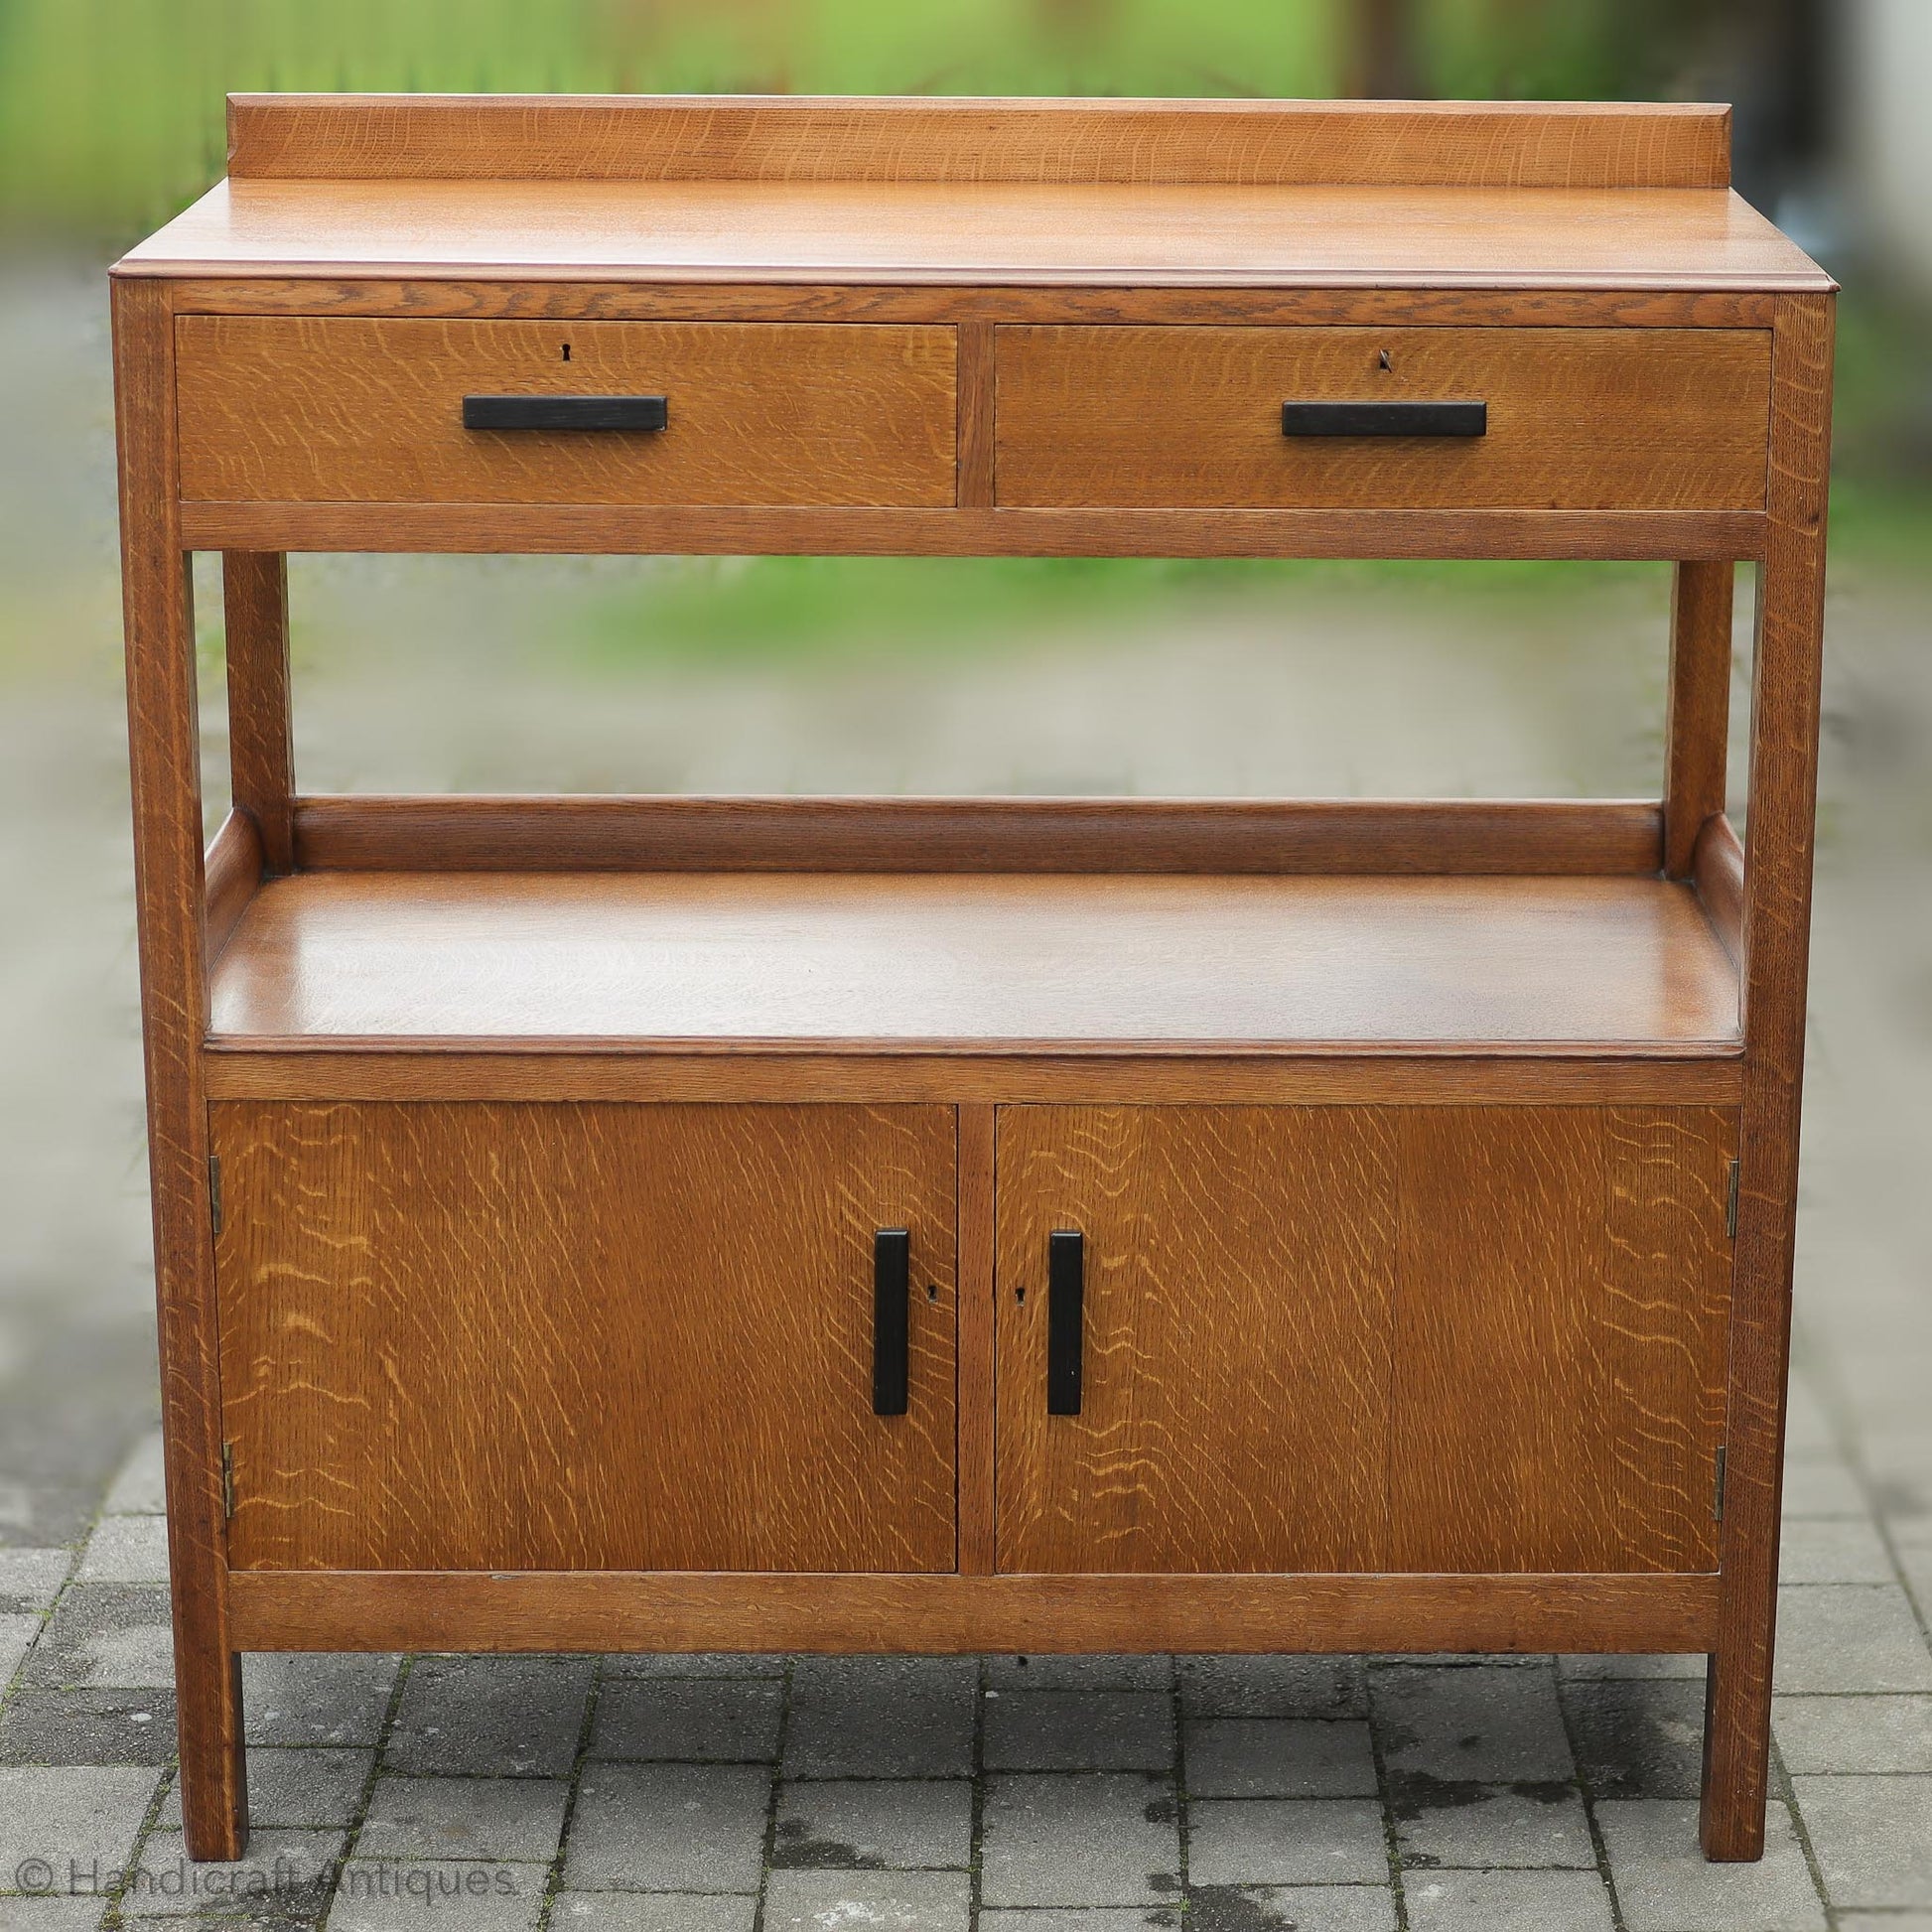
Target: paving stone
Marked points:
1488	1724
1663	1884
726	1720
86	1814
1834	1549
17	1633
295	1790
297	1698
654	1911
1279	1757
1639	1739
87	1727
1286	1842
125	1550
1096	1837
723	1663
1077	1673
491	1717
1273	1687
1821	1485
1483	1827
1079	1730
1848	1637
1507	1902
511	1820
64	1913
283	1875
1082	1918
1289	1908
1615	1665
1871	1836
107	1636
1853	1733
668	1828
30	1579
881	1716
378	1897
879	1902
141	1487
1877	1922
886	1824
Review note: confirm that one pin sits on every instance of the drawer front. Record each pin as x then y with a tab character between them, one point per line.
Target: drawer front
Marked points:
1363	1338
341	410
477	1337
1576	418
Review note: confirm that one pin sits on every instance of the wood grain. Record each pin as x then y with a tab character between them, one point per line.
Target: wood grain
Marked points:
976	394
1718	868
1240	1271
1697	724
261	741
233	870
1580	419
577	528
1779	834
335	409
499	1071
554	301
551	1611
900	139
976	1339
1633	241
1347	964
567	832
170	902
486	1337
1560	1339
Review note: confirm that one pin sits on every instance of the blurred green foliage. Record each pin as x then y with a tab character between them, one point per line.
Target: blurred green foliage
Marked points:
111	110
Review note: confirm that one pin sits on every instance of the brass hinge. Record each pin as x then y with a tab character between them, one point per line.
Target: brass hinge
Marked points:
214	1191
227	1481
1718	1500
1730	1202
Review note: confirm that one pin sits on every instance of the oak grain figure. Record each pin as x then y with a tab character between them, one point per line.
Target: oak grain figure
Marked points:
1432	1164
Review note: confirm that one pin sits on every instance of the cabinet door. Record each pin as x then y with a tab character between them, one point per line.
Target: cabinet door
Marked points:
1328	1339
601	1337
1240	1271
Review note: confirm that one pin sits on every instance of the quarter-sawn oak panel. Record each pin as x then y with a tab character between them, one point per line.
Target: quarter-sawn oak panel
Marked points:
339	409
580	1336
1580	419
1438	1339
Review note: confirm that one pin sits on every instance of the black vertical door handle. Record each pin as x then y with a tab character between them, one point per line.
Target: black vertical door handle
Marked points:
892	1294
1067	1270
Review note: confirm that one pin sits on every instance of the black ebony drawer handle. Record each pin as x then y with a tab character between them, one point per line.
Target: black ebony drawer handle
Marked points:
1067	1270
1385	419
892	1285
565	412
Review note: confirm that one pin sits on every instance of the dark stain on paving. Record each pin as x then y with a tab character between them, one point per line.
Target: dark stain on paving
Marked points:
795	1850
1233	1908
1412	1793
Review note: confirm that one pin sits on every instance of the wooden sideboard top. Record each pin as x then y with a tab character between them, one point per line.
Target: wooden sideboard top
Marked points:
1043	193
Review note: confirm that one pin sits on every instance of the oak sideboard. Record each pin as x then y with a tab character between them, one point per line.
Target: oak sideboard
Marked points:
937	1224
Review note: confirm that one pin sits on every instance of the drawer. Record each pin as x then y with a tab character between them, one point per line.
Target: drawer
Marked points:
1576	418
338	411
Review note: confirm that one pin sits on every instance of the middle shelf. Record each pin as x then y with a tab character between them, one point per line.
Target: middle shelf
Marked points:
1626	966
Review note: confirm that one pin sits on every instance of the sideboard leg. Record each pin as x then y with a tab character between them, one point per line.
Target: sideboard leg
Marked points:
213	1765
169	891
1776	945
